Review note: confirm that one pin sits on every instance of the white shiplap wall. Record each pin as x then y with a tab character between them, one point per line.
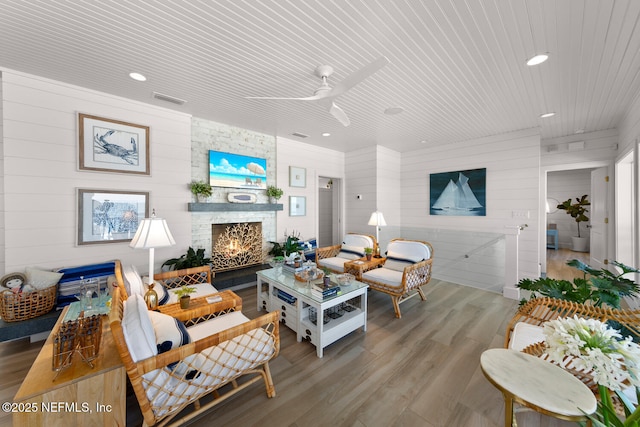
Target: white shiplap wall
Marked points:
629	128
512	162
318	162
41	173
361	180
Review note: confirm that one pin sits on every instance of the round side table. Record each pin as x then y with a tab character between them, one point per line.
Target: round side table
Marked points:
536	384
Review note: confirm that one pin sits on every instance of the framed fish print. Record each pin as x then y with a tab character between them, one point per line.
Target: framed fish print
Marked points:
459	193
110	216
113	146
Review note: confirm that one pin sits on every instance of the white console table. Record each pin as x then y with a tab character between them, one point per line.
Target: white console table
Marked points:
322	322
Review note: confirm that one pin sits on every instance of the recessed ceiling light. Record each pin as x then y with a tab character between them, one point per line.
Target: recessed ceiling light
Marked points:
424	141
578	131
538	59
545	115
137	76
393	110
326	134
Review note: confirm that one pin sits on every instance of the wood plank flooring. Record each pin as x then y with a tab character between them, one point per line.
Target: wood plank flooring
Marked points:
421	370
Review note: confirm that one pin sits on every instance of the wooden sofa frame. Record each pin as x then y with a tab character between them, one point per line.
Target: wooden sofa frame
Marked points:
230	302
413	278
334	250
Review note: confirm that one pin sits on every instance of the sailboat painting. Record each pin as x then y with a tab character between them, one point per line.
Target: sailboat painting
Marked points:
460	193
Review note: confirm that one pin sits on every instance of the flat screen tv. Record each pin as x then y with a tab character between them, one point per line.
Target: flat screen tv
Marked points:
237	171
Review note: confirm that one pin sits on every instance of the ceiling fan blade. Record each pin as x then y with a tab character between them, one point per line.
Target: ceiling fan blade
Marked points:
358	76
308	98
339	114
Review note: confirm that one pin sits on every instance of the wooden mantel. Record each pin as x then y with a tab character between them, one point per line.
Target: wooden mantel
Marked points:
234	207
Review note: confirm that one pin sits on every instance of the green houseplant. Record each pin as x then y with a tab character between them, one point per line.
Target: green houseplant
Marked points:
200	189
184	295
274	193
193	258
368	252
577	211
596	287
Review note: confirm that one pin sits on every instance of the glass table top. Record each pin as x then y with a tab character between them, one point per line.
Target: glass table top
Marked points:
287	280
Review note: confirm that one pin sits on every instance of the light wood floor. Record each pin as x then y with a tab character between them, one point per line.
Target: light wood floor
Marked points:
421	370
557	267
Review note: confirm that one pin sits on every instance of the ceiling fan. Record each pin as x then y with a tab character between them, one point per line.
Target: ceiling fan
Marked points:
325	94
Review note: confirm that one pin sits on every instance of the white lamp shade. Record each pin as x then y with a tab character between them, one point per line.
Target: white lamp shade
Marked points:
152	233
377	219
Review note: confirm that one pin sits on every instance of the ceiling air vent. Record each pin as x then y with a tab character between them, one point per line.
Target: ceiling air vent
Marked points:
300	135
172	99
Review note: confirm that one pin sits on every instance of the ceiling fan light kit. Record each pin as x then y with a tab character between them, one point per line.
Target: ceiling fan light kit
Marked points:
325	94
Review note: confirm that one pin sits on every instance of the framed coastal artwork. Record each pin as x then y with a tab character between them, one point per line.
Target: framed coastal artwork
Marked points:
297	205
110	216
237	171
458	193
297	177
107	145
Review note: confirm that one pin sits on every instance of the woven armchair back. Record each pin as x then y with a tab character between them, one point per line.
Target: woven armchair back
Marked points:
540	310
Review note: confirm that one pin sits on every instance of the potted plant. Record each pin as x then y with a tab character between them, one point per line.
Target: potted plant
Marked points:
184	295
200	189
193	258
577	211
274	193
368	252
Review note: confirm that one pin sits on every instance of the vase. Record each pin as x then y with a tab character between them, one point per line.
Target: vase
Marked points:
580	244
184	302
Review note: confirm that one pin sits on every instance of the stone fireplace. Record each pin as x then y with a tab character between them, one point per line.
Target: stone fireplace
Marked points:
236	245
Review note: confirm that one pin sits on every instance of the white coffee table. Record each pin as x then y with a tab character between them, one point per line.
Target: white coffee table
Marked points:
536	384
322	322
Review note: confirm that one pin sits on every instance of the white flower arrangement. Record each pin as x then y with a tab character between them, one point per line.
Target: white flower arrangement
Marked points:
613	361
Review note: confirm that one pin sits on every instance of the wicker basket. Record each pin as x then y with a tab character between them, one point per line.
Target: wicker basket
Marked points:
22	306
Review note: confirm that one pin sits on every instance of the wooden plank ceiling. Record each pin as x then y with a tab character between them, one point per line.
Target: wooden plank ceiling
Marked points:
457	67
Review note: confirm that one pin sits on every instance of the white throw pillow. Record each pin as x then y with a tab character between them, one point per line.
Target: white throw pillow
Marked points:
170	332
138	329
132	281
399	261
351	252
41	279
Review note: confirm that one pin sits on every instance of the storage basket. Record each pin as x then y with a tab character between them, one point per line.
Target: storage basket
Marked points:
15	307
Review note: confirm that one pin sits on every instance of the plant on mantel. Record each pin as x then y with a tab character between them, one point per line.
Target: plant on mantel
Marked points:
274	193
202	190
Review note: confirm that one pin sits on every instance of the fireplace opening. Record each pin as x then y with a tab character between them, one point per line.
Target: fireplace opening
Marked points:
236	245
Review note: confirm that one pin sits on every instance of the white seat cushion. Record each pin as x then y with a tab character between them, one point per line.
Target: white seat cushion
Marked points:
384	275
334	263
217	324
525	334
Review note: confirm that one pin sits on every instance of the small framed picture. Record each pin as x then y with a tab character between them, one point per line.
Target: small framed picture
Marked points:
297	206
110	216
297	177
113	146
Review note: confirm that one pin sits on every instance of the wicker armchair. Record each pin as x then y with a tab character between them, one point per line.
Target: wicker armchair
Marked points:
524	331
352	247
226	348
406	269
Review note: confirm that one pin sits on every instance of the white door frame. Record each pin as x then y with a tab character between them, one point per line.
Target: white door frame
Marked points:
542	214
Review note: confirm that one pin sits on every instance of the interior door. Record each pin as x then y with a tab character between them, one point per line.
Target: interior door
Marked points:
598	219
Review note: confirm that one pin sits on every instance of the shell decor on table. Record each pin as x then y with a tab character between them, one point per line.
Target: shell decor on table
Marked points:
309	274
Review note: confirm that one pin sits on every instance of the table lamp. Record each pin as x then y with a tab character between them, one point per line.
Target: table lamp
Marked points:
152	233
377	219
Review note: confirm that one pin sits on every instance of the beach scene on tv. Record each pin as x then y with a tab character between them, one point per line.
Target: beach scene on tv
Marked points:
237	171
